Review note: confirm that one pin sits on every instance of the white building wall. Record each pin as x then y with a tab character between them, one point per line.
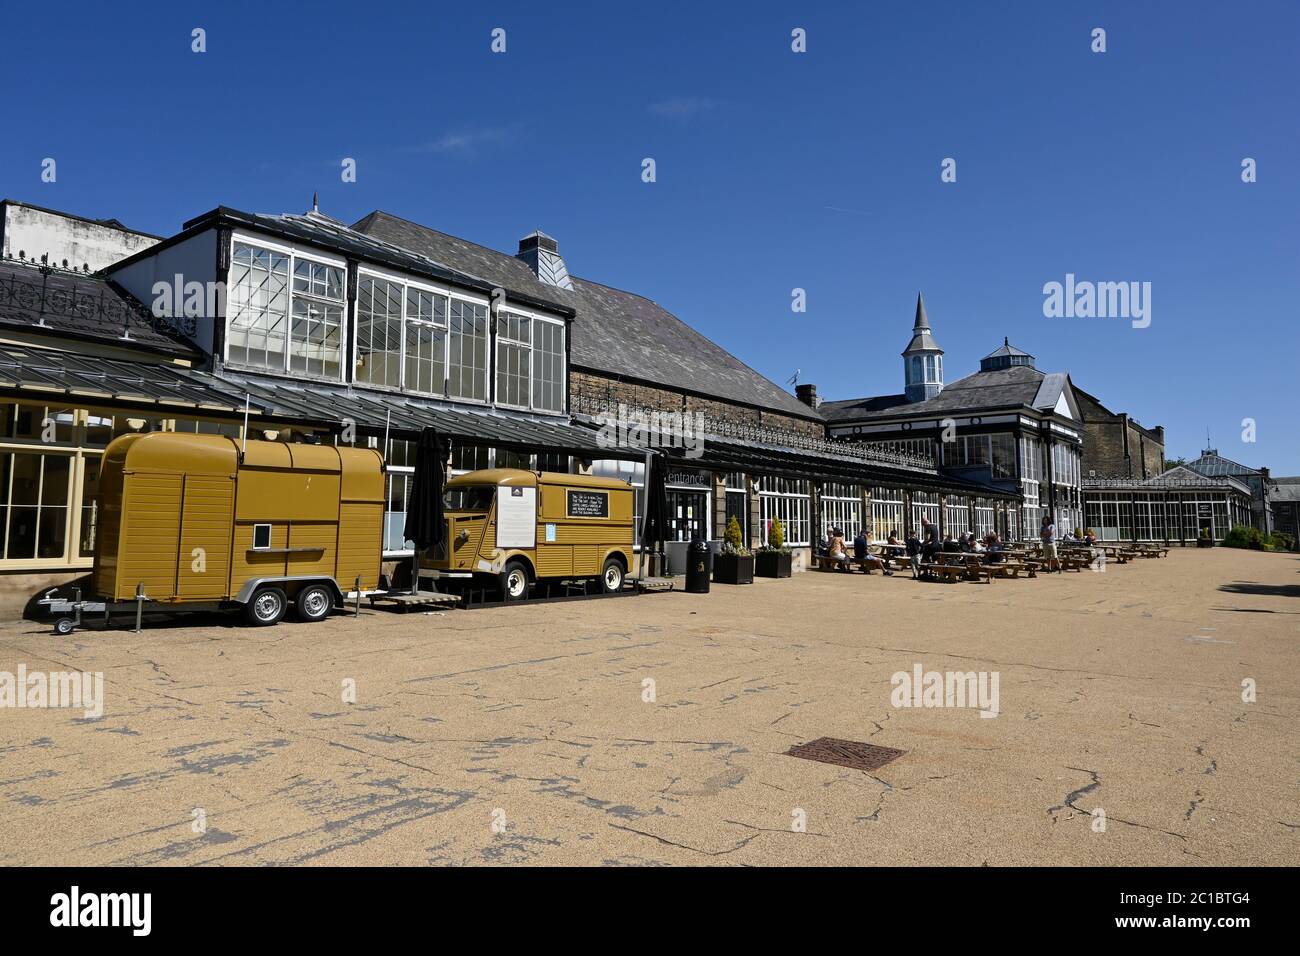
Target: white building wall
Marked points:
36	232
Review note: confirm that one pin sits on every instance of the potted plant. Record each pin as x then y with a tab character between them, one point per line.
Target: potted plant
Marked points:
733	564
1205	541
774	559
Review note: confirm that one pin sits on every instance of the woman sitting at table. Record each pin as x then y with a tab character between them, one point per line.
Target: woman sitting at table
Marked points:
992	549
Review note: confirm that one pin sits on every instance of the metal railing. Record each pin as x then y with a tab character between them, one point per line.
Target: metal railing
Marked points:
88	299
584	402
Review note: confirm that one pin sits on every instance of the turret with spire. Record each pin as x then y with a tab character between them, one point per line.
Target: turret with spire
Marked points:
922	359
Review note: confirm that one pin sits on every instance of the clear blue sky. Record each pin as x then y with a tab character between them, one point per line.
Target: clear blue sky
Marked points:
775	170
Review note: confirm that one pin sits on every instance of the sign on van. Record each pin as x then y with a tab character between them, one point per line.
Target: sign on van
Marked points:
588	504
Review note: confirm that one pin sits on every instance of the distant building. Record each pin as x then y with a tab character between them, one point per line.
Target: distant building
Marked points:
1115	445
1008	426
1213	465
1285	500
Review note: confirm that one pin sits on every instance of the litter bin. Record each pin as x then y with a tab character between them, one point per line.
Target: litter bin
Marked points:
699	567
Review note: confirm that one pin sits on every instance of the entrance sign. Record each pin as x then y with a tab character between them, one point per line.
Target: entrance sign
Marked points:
516	517
588	504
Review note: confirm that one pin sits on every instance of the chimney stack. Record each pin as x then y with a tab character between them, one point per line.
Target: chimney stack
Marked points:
806	393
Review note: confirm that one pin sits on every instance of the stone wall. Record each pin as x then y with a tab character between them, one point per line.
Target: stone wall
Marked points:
669	400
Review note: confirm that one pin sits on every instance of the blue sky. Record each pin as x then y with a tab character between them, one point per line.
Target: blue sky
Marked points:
775	170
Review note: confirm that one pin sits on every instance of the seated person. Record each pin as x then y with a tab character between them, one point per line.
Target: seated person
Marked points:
838	550
993	549
950	546
862	552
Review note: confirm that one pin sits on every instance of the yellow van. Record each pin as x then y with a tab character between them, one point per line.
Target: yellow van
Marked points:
201	520
518	528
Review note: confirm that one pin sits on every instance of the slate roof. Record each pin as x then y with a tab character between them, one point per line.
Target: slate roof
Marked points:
614	332
1286	489
1017	386
85	306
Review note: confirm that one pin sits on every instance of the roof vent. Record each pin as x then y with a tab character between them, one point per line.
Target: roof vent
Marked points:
542	253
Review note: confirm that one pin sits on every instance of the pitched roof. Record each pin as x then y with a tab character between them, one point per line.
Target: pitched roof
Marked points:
1006	348
79	305
1286	489
1020	385
614	332
1212	463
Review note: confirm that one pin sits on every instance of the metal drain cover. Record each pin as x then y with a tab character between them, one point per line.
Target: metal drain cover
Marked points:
846	753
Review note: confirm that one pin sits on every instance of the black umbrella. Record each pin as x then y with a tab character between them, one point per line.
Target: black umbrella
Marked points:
654	522
424	522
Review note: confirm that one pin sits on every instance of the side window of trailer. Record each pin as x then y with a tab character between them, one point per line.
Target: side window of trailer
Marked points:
261	537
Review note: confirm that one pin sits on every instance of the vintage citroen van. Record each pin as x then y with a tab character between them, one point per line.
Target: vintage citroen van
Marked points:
516	528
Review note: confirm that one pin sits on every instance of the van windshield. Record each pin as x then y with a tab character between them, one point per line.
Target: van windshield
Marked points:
470	498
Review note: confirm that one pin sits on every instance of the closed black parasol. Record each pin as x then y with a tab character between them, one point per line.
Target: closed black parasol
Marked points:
654	523
424	522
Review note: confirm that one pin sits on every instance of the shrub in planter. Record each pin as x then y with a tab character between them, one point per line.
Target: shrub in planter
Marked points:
1204	541
1242	536
734	564
774	560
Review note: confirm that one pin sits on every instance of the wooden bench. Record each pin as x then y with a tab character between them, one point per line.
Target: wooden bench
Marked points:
1011	569
824	562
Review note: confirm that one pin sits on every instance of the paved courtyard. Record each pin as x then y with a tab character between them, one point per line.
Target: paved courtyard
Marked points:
524	734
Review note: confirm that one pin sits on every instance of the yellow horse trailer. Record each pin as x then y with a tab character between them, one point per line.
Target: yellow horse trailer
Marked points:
199	520
517	528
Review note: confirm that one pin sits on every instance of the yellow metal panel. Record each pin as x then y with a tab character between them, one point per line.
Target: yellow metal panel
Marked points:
321	538
258	564
586	559
205	529
554	559
285	495
150	537
360	544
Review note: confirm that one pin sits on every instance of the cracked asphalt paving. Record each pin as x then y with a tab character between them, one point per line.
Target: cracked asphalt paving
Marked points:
520	735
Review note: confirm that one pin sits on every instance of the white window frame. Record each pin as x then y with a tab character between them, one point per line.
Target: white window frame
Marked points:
534	317
294	252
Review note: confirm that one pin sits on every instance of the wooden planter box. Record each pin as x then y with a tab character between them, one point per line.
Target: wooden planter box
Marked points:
1205	542
774	564
733	569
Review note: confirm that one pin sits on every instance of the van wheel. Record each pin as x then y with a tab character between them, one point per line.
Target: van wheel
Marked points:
266	607
314	602
514	582
611	577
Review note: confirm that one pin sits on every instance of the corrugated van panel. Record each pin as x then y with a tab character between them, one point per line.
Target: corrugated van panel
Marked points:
554	559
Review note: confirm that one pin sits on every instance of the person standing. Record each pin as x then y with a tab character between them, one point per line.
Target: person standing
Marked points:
1047	536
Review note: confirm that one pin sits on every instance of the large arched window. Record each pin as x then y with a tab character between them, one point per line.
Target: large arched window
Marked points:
916	370
931	375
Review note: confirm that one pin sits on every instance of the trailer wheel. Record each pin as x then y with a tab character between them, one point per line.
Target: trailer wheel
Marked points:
611	577
315	602
514	581
266	607
64	626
